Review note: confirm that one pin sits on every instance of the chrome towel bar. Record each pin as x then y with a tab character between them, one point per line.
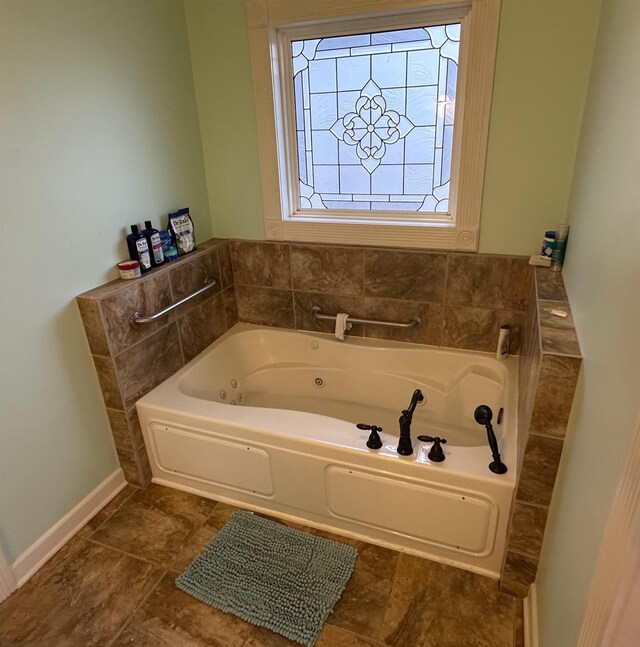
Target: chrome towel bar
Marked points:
138	318
416	322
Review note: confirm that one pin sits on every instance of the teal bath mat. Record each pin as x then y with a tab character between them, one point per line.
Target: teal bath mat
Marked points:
271	576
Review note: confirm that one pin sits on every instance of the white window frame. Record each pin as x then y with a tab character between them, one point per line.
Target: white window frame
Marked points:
272	24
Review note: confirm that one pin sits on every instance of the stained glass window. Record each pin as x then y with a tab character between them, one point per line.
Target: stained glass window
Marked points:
374	119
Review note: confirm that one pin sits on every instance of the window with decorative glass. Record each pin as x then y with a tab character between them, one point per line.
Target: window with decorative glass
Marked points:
373	129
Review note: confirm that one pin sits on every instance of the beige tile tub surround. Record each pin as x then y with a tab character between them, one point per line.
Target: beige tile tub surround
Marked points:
462	299
130	362
550	363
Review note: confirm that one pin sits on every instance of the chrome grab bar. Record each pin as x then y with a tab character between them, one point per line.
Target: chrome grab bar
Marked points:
416	322
137	318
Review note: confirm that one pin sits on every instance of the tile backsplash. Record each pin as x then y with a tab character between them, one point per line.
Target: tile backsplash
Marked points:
462	299
132	361
550	363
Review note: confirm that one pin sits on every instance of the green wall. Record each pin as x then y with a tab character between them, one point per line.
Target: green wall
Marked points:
99	130
602	274
542	70
222	74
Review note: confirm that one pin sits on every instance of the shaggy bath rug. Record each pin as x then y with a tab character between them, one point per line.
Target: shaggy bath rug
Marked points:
271	576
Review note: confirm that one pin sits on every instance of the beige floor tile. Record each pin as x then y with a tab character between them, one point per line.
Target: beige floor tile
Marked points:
221	514
95	522
362	606
80	598
155	523
330	637
88	592
433	605
171	618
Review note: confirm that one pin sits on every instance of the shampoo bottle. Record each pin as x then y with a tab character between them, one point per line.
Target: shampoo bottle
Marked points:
139	248
503	342
155	244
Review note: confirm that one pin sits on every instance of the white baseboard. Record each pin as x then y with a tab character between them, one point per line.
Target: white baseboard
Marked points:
57	536
8	582
531	618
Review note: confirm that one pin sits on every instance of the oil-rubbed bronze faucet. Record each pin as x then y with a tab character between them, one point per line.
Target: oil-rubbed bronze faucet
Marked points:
483	416
405	448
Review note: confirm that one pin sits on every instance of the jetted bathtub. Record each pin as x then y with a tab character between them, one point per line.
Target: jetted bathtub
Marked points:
266	418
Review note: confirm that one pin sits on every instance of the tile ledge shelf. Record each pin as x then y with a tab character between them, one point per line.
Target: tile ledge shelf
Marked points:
110	287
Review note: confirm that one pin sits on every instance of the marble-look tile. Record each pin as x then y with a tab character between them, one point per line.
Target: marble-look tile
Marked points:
329	637
230	307
558	334
105	289
172	618
226	266
201	326
155	523
554	395
485	281
147	295
130	467
144	366
361	608
479	328
212	242
539	469
530	360
329	304
77	600
99	518
518	629
518	574
120	430
323	268
144	466
93	326
432	315
265	306
550	285
527	528
417	276
108	382
221	514
261	264
134	426
190	275
433	605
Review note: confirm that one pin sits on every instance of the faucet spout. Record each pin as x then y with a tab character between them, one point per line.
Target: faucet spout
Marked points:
415	398
405	448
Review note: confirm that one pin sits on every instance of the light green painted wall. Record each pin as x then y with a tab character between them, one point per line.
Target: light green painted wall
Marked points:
222	73
99	130
542	70
602	274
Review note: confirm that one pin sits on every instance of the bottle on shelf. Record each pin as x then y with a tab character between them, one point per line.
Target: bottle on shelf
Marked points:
139	248
154	243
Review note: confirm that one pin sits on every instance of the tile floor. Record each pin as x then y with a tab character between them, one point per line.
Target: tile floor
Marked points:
112	585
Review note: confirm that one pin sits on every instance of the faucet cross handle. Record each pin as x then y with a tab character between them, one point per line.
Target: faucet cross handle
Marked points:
436	453
374	441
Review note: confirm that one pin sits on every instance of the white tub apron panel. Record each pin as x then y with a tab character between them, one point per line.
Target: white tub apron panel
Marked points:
289	447
422	511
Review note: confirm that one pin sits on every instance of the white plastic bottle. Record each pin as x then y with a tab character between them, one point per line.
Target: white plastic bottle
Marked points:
503	342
